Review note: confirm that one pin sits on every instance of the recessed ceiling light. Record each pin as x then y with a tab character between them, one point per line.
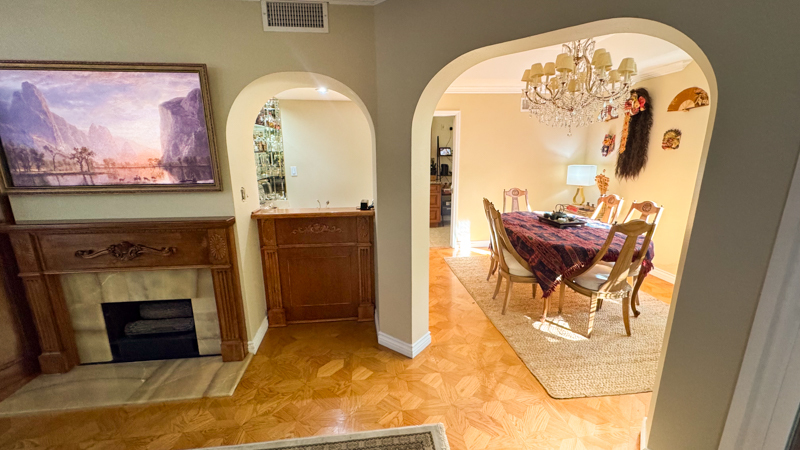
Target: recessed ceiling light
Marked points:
322	90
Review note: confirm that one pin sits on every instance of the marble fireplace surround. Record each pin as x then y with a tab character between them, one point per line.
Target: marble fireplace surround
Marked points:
73	267
85	293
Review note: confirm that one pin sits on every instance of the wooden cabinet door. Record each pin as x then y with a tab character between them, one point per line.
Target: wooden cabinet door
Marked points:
319	283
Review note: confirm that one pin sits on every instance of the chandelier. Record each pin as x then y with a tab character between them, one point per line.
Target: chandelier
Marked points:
579	88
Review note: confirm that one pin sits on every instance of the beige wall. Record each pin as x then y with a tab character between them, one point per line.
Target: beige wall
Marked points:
229	38
501	148
330	143
670	175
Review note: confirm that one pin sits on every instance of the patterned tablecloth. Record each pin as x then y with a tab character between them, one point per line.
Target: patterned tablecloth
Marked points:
555	252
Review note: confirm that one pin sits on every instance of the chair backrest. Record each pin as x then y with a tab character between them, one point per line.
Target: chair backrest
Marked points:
515	194
487	206
646	210
619	273
610	206
503	243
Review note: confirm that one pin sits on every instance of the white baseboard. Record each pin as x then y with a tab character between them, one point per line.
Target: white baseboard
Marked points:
663	274
643	435
404	348
252	346
479	244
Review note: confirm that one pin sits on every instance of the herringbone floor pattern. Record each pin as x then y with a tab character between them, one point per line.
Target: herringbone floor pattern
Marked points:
334	378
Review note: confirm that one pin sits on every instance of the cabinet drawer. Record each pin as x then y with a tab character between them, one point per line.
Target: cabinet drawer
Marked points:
316	230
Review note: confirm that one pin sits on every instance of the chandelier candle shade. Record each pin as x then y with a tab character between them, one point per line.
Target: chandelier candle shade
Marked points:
578	87
581	176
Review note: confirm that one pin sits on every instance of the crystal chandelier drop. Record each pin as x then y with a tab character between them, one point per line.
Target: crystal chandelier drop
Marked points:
578	87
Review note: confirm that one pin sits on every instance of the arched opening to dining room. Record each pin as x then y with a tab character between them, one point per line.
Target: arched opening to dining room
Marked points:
528	161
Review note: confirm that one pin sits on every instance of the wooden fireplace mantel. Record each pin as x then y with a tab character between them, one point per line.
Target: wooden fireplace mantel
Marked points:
45	250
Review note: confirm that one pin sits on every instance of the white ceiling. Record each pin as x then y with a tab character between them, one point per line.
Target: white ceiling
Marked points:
654	57
311	94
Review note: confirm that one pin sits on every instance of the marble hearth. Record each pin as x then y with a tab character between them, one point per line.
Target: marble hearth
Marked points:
84	293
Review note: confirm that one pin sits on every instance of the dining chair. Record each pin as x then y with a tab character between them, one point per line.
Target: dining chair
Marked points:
515	194
645	209
609	205
511	266
492	245
599	281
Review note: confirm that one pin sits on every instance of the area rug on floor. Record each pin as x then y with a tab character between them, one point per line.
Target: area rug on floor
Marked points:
423	437
565	362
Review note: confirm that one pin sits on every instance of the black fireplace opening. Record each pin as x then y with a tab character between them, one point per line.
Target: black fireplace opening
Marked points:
143	331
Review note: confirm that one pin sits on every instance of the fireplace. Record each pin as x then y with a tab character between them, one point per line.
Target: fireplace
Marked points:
143	331
71	269
101	304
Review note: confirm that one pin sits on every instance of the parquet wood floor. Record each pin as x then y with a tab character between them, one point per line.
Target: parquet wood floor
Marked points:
334	378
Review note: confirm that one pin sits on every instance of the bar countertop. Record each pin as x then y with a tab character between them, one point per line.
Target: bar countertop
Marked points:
309	212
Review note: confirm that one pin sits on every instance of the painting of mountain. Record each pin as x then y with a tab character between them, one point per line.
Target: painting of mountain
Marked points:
88	129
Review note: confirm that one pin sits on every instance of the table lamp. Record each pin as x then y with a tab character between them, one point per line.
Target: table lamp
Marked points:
581	176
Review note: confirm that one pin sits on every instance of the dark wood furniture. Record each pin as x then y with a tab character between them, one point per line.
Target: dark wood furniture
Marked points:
45	250
318	264
436	204
18	343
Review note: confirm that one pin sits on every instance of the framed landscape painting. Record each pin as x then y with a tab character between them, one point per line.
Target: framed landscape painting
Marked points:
106	127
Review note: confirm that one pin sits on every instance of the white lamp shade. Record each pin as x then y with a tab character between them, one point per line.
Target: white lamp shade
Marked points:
581	175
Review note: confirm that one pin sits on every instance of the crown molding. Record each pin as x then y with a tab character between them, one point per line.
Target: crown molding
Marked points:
485	89
651	72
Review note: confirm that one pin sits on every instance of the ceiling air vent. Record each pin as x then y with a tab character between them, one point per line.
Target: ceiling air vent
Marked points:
307	17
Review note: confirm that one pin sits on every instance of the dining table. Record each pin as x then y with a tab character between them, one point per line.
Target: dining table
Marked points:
554	253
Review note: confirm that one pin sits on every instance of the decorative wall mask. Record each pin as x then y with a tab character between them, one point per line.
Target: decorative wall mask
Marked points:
689	98
608	144
602	182
608	113
635	135
672	139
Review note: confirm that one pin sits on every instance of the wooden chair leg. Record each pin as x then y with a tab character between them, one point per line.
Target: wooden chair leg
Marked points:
534	290
492	267
636	286
561	293
626	306
599	304
592	311
497	286
545	308
509	288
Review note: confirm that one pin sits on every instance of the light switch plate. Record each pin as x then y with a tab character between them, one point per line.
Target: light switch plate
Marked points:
293	170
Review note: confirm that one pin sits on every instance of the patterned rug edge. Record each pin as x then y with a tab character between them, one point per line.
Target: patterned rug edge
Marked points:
516	349
436	431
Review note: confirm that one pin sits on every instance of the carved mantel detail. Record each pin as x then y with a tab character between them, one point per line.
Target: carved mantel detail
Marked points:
217	246
125	251
317	228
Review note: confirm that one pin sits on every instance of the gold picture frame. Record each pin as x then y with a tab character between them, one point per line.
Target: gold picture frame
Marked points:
42	152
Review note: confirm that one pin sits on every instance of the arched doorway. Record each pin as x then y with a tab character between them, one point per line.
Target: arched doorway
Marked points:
239	140
437	86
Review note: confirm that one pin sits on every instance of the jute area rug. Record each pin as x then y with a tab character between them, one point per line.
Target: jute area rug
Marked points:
423	437
565	362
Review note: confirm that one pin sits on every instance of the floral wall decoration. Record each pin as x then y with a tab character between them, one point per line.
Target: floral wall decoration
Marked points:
672	139
689	98
635	135
608	144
